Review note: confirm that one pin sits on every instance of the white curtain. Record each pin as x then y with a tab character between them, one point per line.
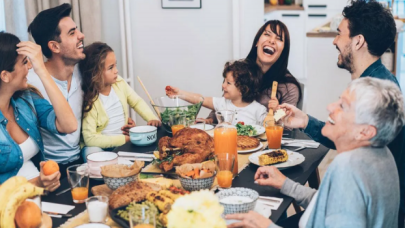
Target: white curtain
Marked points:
86	14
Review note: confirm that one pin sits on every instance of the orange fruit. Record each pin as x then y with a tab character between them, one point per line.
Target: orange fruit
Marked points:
50	167
28	215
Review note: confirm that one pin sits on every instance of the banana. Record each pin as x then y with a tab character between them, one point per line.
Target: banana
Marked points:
8	187
17	197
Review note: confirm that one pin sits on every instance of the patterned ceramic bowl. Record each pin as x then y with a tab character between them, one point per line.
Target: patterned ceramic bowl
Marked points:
197	184
238	200
116	182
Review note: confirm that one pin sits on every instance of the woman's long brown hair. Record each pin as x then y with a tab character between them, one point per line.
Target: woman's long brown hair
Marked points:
92	68
278	71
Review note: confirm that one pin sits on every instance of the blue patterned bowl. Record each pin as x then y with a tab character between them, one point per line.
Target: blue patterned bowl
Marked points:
116	182
197	184
233	207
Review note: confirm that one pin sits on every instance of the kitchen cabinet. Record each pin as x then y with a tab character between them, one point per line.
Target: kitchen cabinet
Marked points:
322	5
315	19
295	22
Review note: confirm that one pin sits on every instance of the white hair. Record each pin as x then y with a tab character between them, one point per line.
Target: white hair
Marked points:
379	103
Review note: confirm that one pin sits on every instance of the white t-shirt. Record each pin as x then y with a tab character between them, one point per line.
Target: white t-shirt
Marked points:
62	148
29	149
253	114
115	113
304	218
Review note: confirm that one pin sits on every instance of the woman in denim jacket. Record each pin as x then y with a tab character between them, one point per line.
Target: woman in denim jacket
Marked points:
23	111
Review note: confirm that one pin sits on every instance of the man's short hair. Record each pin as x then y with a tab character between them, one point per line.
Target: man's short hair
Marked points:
370	19
45	26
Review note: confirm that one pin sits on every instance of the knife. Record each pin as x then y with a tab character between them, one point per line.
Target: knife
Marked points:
60	193
58	215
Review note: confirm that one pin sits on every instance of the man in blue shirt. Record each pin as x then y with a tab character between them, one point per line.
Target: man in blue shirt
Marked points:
365	33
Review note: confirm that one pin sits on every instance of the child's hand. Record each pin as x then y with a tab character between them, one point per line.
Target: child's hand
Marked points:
207	121
155	123
172	91
125	128
273	104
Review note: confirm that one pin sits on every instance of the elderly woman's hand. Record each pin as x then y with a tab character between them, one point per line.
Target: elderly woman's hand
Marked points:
273	104
249	220
50	182
295	118
270	176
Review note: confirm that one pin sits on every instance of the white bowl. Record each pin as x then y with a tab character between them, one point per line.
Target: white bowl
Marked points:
98	159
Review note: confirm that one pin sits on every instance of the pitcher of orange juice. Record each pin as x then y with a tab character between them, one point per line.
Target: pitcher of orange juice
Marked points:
225	136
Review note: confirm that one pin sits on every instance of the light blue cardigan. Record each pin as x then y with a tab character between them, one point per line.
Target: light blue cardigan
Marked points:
359	189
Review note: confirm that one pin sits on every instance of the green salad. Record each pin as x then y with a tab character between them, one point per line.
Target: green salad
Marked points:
136	209
247	130
174	115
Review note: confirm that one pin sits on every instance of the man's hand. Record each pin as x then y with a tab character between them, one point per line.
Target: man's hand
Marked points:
294	118
249	220
131	124
270	176
50	182
155	123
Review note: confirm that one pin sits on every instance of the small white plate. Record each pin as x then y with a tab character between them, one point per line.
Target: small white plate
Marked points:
294	159
200	126
251	150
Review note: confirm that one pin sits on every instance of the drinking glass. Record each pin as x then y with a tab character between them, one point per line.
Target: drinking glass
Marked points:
142	219
177	123
274	133
97	208
225	165
78	177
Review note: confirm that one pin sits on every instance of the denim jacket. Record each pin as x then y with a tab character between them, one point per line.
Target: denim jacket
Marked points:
397	147
30	112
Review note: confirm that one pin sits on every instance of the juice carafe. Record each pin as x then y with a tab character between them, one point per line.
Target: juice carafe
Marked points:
225	136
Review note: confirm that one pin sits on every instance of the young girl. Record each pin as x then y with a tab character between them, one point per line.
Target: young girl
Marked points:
240	90
106	97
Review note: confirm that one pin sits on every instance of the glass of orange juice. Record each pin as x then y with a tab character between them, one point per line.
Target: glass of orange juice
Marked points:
78	177
225	163
274	133
177	122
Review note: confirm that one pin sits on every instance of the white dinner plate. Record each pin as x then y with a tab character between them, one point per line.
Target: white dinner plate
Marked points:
259	130
294	159
251	150
200	126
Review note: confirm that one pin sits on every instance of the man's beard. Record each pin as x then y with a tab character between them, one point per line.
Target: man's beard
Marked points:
347	60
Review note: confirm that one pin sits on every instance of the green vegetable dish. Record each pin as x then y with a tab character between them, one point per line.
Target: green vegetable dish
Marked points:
247	130
172	116
137	209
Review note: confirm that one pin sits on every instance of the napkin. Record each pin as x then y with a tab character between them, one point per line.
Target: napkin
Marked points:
272	202
299	143
56	208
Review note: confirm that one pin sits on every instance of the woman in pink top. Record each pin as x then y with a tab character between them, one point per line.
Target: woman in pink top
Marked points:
270	51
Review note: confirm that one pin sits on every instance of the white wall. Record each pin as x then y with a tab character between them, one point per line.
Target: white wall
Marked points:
2	16
188	48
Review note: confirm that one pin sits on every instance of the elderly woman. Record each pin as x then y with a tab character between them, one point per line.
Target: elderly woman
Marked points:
361	185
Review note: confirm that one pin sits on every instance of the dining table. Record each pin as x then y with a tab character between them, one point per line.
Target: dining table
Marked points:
300	173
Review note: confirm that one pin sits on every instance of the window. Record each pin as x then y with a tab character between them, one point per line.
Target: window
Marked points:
2	17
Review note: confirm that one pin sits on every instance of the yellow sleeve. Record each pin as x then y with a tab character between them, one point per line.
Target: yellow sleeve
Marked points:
138	104
93	138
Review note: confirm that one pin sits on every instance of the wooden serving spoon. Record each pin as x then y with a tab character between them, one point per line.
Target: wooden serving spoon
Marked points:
270	115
